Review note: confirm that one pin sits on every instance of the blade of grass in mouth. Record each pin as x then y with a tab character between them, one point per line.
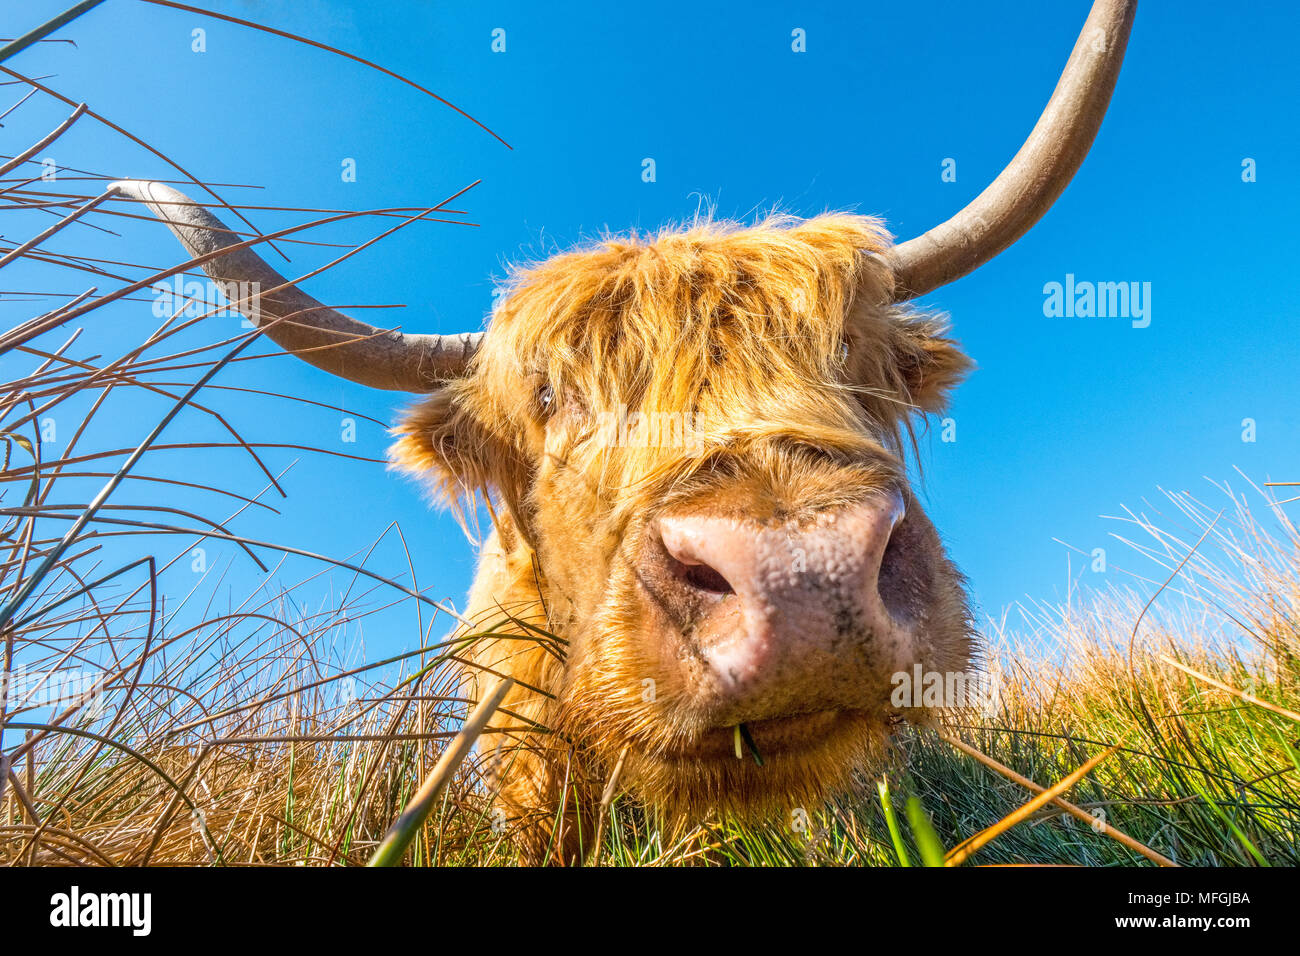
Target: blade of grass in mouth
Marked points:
742	733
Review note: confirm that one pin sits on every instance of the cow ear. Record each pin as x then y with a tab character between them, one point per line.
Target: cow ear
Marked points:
441	441
930	364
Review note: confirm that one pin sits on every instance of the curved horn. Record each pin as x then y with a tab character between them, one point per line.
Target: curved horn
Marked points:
314	332
1026	189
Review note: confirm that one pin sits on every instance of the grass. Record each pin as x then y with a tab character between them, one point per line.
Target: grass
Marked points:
210	725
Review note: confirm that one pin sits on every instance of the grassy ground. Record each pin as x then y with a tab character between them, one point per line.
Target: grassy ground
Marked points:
251	757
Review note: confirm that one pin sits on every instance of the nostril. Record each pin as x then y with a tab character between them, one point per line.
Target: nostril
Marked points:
693	550
892	549
901	580
895	513
704	578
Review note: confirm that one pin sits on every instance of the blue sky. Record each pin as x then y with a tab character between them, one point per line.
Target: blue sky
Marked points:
1065	421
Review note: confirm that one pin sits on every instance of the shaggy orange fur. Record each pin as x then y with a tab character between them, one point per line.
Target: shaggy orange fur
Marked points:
799	378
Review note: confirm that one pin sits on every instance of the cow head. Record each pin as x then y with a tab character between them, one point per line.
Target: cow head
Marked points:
699	436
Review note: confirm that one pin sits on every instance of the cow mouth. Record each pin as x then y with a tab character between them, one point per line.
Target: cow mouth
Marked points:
761	740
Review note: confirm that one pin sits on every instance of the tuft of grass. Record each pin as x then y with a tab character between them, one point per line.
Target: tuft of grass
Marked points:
157	708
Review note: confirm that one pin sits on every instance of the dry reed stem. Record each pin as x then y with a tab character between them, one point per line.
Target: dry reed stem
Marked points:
965	850
1078	812
405	827
1241	695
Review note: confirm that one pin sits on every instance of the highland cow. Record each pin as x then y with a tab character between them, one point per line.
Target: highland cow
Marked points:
748	591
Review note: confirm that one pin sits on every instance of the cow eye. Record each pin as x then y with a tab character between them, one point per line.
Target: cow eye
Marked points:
844	351
546	399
